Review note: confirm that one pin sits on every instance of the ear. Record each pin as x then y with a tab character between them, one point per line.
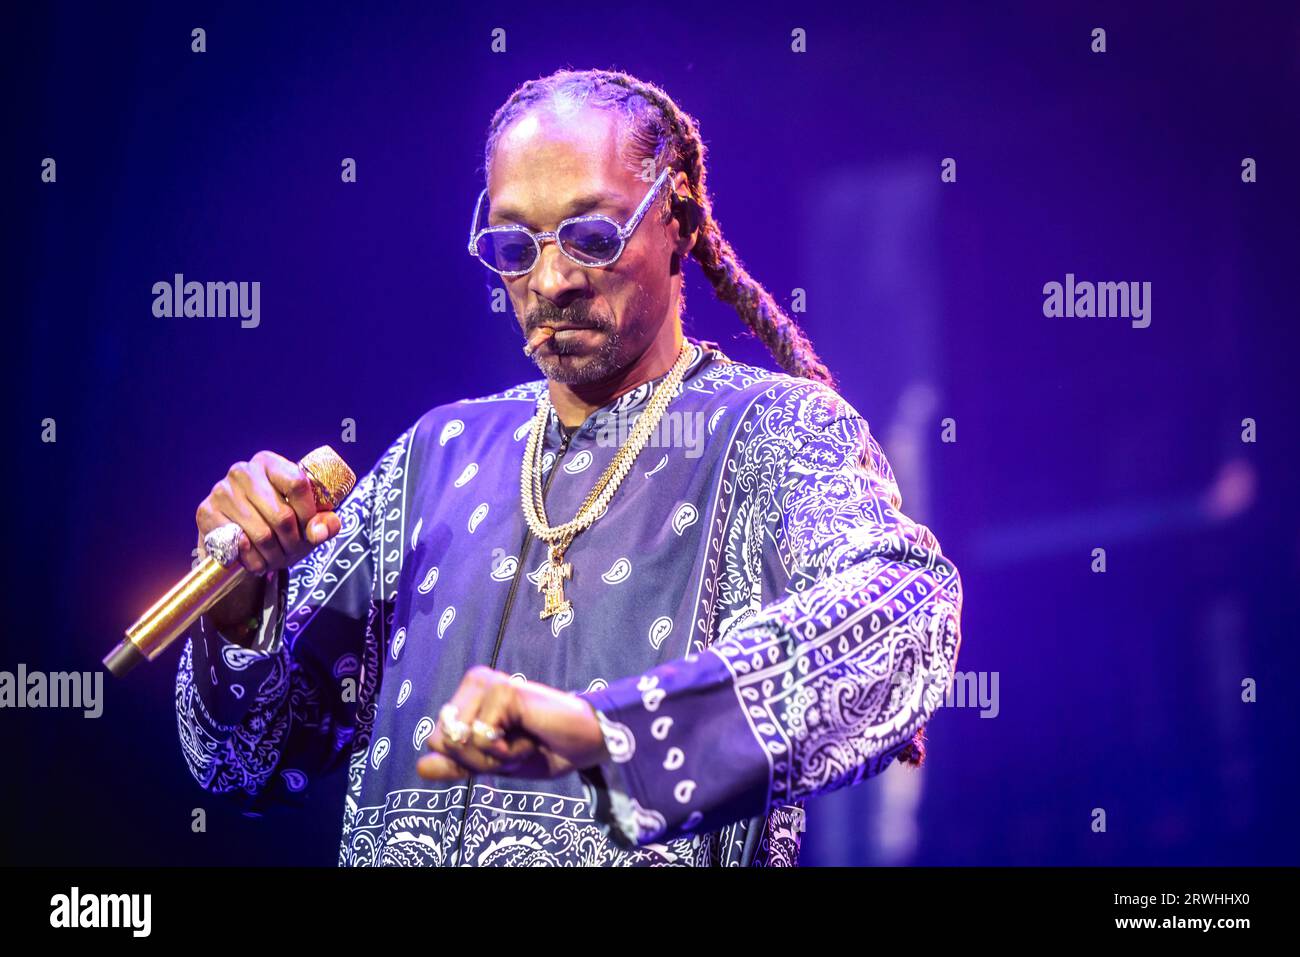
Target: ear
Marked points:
686	212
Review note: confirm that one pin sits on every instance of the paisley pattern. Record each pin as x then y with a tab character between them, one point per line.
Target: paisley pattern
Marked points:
755	625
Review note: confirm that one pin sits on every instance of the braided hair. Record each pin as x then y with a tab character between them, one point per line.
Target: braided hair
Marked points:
657	129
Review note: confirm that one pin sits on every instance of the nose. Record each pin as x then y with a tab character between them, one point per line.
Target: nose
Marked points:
556	277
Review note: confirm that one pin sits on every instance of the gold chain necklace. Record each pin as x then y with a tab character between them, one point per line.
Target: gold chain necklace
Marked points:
559	537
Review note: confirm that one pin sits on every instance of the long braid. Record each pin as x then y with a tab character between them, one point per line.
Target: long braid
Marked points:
670	136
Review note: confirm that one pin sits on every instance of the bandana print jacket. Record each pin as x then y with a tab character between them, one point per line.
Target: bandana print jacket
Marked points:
754	620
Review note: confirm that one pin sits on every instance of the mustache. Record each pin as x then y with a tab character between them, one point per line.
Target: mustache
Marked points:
576	316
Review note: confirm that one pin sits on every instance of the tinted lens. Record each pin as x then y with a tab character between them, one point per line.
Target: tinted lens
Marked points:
510	250
593	240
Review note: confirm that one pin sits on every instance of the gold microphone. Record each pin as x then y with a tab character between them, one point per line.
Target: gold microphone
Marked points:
219	572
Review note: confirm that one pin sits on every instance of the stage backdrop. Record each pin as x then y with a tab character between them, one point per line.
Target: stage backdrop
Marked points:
919	174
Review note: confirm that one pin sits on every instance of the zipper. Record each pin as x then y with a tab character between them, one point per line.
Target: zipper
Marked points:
566	437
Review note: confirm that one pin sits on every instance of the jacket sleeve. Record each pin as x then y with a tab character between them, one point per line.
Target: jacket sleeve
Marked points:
817	690
258	723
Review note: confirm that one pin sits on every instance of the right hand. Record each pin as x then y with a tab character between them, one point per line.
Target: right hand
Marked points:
270	498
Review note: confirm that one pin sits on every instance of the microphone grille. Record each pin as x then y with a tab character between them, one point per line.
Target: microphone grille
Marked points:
332	480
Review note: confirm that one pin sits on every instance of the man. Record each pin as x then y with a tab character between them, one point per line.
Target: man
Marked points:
536	632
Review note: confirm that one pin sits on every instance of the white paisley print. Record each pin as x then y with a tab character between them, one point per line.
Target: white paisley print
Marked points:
755	622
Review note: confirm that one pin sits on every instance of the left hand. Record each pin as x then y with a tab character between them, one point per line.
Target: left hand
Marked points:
540	732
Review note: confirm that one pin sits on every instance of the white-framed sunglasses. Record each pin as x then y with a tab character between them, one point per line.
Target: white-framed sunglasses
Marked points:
591	240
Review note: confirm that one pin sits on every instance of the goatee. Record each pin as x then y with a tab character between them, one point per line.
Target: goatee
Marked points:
582	369
589	368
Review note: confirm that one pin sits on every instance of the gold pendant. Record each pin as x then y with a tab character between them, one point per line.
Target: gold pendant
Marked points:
552	583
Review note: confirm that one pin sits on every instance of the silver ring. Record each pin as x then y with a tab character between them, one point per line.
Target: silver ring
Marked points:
222	544
453	728
486	730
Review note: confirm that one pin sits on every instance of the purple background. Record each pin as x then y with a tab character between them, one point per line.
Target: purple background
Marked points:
1119	691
